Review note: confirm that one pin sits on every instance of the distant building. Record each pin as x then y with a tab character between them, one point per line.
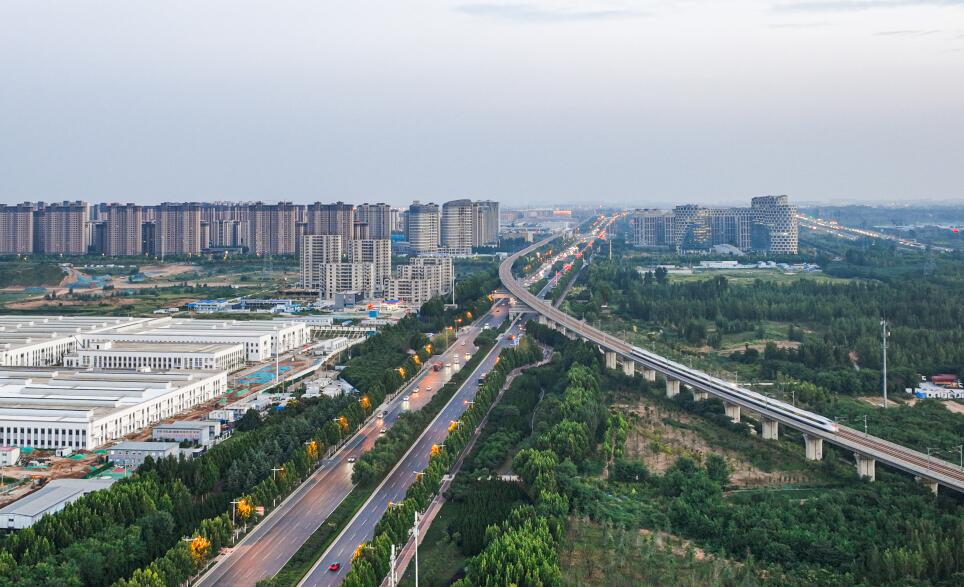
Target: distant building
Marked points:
132	454
50	499
64	228
9	456
16	229
110	354
769	224
377	251
422	279
203	432
423	228
337	218
178	229
123	230
378	217
271	228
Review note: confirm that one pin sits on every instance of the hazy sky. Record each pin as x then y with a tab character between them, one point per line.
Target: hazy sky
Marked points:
528	102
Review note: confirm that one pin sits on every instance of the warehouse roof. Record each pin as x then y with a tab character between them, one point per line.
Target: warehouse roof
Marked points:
53	494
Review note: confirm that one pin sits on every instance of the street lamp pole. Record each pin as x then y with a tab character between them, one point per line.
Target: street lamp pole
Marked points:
884	334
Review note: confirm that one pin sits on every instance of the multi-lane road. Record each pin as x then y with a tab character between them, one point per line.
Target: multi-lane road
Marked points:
394	487
266	549
864	445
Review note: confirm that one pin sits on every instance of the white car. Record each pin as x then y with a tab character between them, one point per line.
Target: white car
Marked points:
429	388
405	398
415	390
351	459
383	431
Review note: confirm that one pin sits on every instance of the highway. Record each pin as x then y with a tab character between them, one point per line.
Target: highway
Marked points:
266	549
812	425
393	488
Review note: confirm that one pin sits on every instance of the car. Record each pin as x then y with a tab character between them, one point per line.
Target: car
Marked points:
334	567
463	343
383	431
351	459
429	388
381	414
405	398
415	390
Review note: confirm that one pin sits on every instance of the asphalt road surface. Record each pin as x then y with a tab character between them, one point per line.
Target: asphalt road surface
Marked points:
392	490
277	538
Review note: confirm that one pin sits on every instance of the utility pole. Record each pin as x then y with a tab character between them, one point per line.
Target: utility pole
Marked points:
416	549
883	336
392	579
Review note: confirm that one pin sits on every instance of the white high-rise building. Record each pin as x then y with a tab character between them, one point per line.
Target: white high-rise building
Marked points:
317	251
461	225
377	251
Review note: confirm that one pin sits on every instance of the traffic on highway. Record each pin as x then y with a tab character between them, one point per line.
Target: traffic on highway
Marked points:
266	549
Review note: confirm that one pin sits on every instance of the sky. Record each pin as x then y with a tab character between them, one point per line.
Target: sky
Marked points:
530	102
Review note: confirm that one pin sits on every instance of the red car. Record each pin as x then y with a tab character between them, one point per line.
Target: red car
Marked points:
334	567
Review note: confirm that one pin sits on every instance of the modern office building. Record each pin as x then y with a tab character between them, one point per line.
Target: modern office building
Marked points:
337	218
423	227
378	217
16	229
109	354
51	408
769	224
122	235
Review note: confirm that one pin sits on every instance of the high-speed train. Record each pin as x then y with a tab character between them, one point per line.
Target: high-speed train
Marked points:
727	389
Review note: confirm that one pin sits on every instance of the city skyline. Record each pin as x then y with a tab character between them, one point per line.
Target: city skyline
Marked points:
545	101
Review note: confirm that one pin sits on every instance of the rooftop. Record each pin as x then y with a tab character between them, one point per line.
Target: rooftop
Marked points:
187	424
20	331
164	347
146	446
53	494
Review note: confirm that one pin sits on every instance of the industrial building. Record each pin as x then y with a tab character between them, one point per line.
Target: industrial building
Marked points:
55	408
261	338
39	341
131	454
52	498
203	432
109	354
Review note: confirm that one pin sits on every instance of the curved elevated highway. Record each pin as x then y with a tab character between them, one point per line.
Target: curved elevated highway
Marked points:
815	428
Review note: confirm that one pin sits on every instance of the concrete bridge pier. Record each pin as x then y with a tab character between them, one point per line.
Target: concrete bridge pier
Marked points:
700	396
561	328
542	320
629	368
649	374
771	429
814	446
932	485
672	388
866	466
732	411
610	359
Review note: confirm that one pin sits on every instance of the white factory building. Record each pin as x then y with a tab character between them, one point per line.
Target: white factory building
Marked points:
52	498
38	341
261	338
110	354
55	408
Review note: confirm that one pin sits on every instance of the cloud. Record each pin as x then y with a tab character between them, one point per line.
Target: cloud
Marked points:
532	13
905	33
801	25
852	5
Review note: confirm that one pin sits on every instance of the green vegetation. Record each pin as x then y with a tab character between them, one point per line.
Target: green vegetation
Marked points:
29	274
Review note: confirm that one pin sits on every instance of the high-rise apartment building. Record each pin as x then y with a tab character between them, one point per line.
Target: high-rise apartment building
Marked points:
64	228
378	217
318	250
422	279
337	218
423	227
16	229
177	229
122	231
271	228
377	251
461	225
769	224
490	222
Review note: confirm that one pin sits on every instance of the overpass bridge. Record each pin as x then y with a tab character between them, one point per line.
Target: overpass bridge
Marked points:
816	429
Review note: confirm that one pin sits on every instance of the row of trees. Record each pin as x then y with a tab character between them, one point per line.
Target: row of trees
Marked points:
371	562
